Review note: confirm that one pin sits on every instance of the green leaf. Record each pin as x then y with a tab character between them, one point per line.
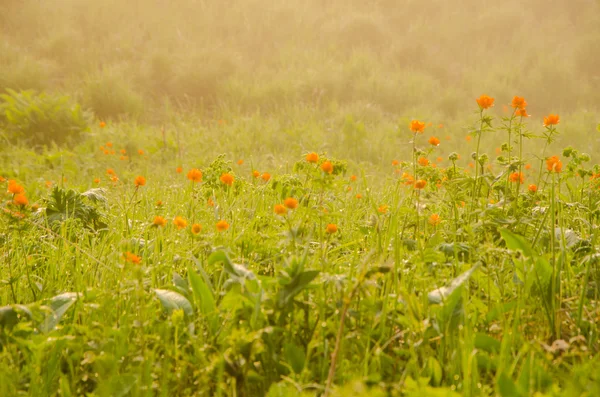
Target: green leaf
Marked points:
204	295
295	356
172	300
439	295
506	387
58	305
517	243
486	343
220	256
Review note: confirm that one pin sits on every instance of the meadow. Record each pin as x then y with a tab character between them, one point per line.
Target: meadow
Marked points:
241	198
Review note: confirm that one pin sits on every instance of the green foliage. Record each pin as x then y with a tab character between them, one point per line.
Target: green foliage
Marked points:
111	95
42	119
63	204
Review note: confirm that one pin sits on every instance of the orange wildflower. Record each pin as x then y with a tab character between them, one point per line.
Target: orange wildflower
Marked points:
353	178
180	222
2	179
20	200
434	219
141	152
468	138
383	209
358	196
420	184
517	177
159	203
527	166
159	221
179	170
194	175
291	203
129	257
96	180
255	174
196	228
551	119
553	164
522	113
434	141
519	103
240	162
395	162
439	159
331	228
312	157
417	126
266	176
123	151
102	124
109	144
227	179
222	225
280	209
139	181
485	102
423	161
327	167
532	188
14	187
210	202
110	171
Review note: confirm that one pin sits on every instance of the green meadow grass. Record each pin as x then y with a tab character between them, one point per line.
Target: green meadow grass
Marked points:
327	249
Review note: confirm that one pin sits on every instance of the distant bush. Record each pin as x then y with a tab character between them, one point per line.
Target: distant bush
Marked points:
41	119
21	72
110	95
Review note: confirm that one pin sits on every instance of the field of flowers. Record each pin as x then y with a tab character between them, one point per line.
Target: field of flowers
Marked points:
132	265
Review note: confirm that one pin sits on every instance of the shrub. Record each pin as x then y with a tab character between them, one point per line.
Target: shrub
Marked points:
110	95
42	119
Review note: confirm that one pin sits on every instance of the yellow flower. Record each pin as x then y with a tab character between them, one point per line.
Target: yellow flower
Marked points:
196	228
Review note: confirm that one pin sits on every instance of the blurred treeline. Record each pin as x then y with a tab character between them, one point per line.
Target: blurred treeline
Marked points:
146	58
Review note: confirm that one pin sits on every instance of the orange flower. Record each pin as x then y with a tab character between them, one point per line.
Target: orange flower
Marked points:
129	257
240	162
102	124
222	225
123	158
383	209
280	209
417	126
312	157
353	178
266	176
20	200
227	179
439	159
408	179
433	141
96	180
2	179
527	166
519	103
434	219
255	174
485	102
423	162
517	177
291	203
440	125
158	203
179	170
123	151
110	171
522	113
420	184
139	181
331	228
14	187
109	144
532	188
196	228
327	167
159	221
553	164
141	152
468	138
358	196
180	222
194	175
210	202
551	119
395	162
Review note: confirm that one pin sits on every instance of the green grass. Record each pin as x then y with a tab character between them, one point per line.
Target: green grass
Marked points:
475	285
276	304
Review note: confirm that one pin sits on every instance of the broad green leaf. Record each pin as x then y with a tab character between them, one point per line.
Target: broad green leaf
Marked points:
205	298
486	343
439	295
517	243
506	387
172	300
220	256
58	305
294	356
